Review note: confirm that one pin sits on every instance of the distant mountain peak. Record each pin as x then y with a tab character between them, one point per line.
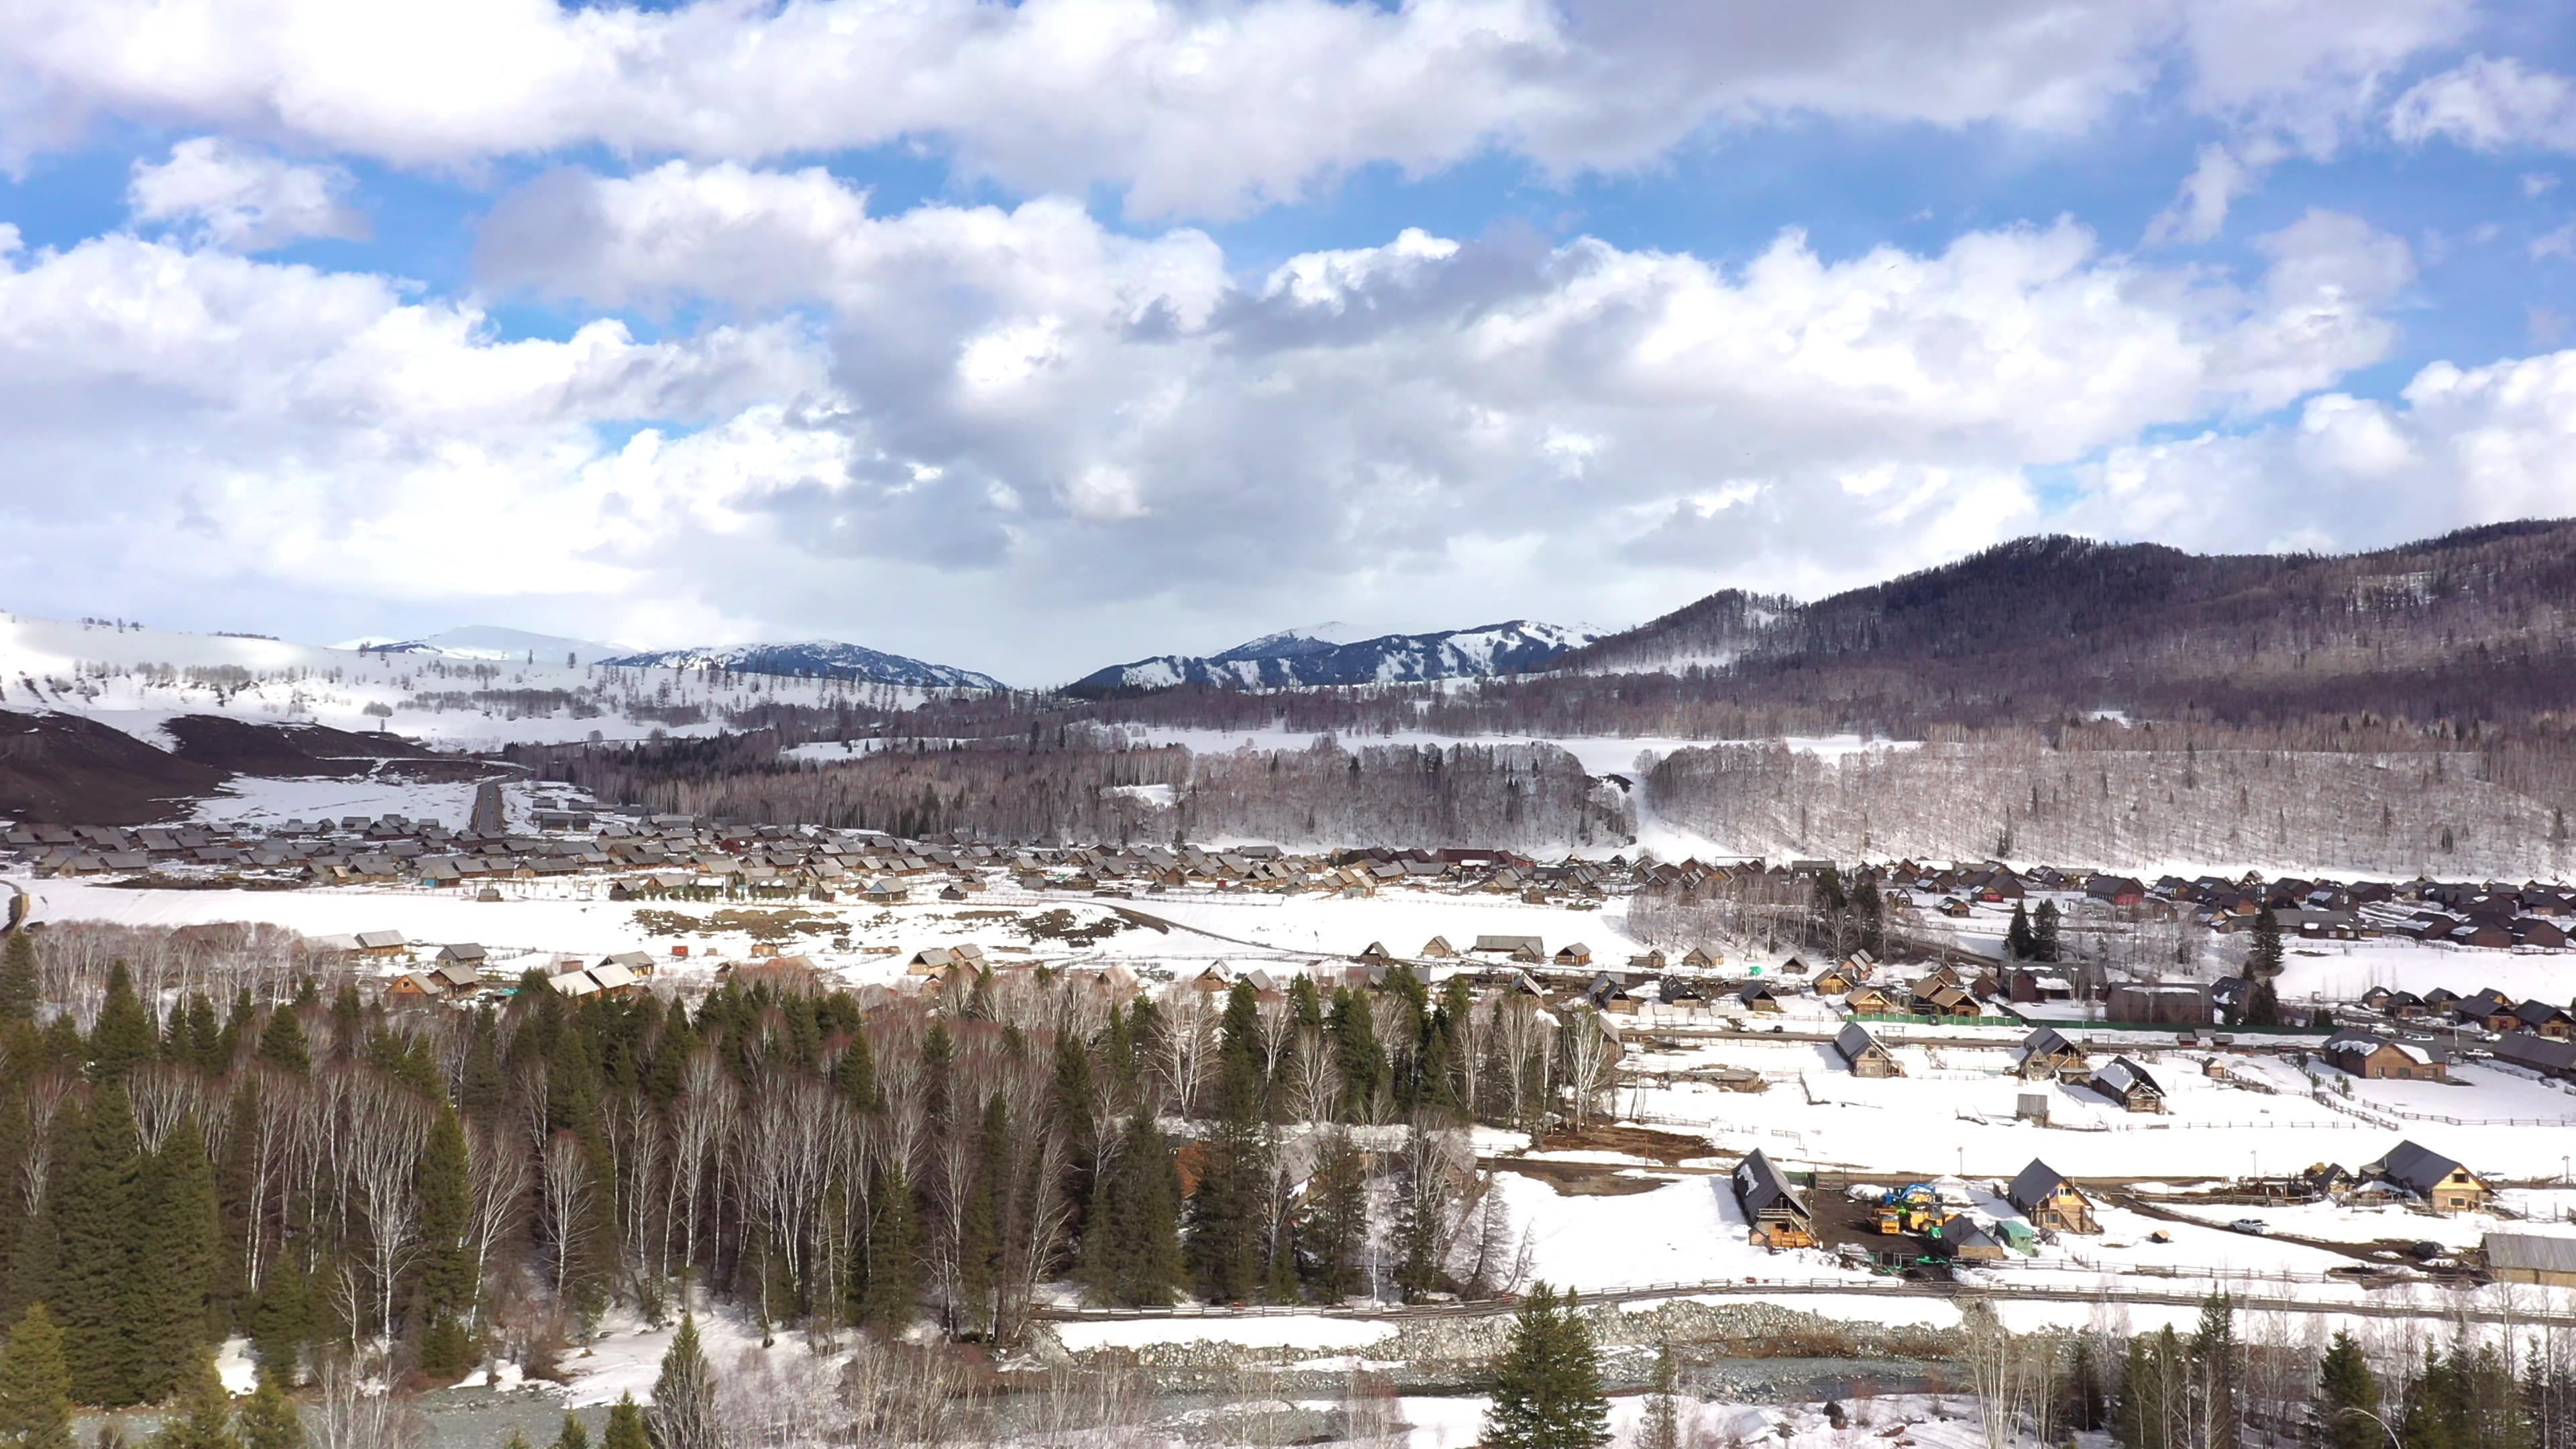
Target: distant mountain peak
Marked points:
1310	656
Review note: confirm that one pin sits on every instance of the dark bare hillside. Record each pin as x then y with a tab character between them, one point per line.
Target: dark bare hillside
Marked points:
68	770
2472	624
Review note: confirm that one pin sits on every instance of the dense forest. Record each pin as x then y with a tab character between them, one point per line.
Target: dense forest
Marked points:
205	1139
1064	785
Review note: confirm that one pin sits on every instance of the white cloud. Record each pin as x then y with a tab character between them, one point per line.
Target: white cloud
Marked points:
2458	447
1063	412
187	426
2200	211
1196	106
2489	104
243	198
1047	421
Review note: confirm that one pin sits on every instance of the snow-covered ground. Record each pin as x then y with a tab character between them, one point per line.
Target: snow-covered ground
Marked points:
1599	754
135	680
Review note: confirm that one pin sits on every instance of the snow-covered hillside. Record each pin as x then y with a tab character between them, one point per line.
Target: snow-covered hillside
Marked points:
816	658
1320	655
493	643
135	680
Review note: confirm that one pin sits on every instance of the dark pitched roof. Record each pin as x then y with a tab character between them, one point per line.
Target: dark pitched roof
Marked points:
2416	1168
1759	1185
2033	1184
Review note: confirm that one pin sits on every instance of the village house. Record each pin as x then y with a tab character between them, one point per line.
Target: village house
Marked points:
2046	1055
2127	1083
1863	1053
2364	1054
1779	1217
2531	1258
2043	1195
2444	1185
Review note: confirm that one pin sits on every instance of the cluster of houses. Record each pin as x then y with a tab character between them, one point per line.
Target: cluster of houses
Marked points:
2533	1034
1778	1216
647	856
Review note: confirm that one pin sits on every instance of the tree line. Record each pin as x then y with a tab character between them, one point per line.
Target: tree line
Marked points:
407	1193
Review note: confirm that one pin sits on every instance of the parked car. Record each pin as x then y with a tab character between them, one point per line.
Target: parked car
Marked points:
2427	1251
2255	1227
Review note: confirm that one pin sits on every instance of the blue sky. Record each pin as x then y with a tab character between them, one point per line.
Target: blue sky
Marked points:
1028	338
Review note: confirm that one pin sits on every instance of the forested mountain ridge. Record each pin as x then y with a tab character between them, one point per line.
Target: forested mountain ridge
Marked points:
2058	623
1298	658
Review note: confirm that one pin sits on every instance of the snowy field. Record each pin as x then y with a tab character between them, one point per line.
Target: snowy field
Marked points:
54	665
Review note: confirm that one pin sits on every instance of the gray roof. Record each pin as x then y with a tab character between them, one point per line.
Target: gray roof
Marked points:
2531	1251
2124	1075
2033	1184
2419	1169
1758	1185
1855	1042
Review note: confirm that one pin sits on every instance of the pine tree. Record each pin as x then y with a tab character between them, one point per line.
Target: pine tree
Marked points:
1133	1256
2046	936
20	988
1546	1384
2347	1398
2018	941
2216	1361
124	1035
572	1435
2262	1003
281	1043
1225	1238
173	1259
445	1286
683	1415
1662	1428
35	1385
893	1292
205	1415
2264	957
94	1289
269	1419
626	1426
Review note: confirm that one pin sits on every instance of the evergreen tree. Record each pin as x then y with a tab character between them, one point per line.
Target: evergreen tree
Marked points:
1546	1384
1139	1262
1336	1221
444	1287
2262	1003
2046	939
572	1435
2018	940
269	1419
683	1415
1662	1428
94	1289
281	1043
2347	1400
2217	1364
172	1256
893	1291
2263	958
124	1034
205	1415
35	1385
20	988
626	1426
1225	1238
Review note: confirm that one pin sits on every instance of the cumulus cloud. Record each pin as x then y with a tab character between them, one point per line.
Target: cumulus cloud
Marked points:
1081	414
2458	446
2489	103
243	198
1193	106
186	420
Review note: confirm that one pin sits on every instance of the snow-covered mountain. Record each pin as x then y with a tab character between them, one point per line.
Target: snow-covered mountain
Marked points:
1325	654
812	659
492	643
